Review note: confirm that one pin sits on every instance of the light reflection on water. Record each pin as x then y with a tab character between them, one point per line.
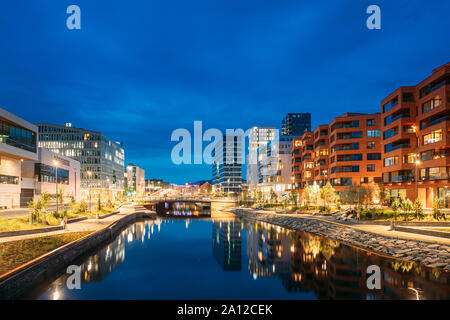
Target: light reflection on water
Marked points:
246	260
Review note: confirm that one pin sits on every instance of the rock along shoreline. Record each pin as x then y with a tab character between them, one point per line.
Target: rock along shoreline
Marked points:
433	255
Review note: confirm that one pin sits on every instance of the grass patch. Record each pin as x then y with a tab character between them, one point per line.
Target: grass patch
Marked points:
15	224
15	253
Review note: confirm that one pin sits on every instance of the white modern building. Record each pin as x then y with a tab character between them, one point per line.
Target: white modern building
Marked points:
41	176
258	137
135	178
274	168
18	143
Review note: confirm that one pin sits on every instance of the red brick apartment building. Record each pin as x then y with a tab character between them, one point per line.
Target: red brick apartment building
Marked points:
416	139
303	161
345	152
355	150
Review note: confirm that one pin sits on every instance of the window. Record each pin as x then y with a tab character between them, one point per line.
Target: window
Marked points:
390	104
408	97
431	104
350	157
370	145
390	161
16	136
435	119
307	174
4	179
409	158
395	116
350	135
370	168
373	133
374	156
432	137
390	133
370	122
397	145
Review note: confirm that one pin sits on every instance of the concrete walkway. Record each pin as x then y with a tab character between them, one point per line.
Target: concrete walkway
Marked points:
14	213
373	228
80	226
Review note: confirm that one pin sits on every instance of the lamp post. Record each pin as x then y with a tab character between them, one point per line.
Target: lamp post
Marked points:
56	163
416	161
89	173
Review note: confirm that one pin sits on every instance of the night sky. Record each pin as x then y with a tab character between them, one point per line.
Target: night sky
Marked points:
137	70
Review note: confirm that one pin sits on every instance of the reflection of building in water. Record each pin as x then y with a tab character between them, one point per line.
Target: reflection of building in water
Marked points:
226	237
335	271
107	259
267	250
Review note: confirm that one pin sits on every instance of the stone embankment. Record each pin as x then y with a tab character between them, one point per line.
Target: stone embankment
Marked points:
433	255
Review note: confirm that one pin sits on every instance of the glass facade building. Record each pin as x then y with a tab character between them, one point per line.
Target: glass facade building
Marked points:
227	164
98	155
296	124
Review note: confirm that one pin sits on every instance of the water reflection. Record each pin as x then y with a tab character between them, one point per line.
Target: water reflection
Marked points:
183	209
226	238
305	262
301	264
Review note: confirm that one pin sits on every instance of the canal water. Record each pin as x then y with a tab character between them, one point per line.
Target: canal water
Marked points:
187	258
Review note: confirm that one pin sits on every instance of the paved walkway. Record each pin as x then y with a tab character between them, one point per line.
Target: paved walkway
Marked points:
13	213
374	228
80	226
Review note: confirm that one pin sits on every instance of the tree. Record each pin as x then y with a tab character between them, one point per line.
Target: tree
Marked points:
273	196
311	195
36	207
407	207
350	195
396	205
418	209
436	208
328	194
45	201
384	194
293	196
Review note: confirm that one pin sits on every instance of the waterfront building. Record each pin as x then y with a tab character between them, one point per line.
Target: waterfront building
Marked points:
18	142
227	164
274	167
295	124
416	140
40	176
257	138
101	159
135	178
345	152
152	185
355	150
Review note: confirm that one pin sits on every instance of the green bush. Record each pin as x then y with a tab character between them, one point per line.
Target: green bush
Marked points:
80	207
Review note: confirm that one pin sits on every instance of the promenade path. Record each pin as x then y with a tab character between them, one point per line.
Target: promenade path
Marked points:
383	230
80	226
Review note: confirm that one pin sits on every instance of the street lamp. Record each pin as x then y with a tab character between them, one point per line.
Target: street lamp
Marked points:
56	163
89	173
416	160
417	163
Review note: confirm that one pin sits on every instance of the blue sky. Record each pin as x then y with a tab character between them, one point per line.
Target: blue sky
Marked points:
137	70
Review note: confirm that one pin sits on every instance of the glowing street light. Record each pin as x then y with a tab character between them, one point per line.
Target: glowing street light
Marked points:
56	163
89	173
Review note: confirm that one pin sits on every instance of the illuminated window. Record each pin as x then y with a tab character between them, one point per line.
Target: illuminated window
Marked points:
432	137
